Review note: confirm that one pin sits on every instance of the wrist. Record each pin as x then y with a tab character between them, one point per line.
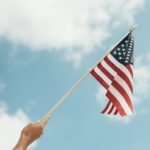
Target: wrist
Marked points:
21	145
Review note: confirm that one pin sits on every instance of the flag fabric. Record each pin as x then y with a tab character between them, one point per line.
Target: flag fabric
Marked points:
115	74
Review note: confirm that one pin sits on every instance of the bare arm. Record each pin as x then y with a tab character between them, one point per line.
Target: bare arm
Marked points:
30	133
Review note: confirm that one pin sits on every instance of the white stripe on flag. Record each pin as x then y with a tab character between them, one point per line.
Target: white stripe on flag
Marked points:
108	109
108	68
121	67
120	80
102	75
131	67
120	99
113	111
124	85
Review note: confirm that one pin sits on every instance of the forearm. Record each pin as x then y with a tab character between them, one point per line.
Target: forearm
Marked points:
21	145
29	134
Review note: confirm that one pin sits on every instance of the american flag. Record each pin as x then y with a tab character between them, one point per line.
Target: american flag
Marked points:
115	74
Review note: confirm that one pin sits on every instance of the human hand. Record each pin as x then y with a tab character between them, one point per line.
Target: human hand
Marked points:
30	133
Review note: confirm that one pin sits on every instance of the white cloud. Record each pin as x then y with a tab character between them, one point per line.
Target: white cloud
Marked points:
11	126
100	97
142	79
73	27
141	90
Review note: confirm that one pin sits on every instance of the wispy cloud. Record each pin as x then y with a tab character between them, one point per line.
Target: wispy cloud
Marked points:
11	124
141	90
72	27
2	87
142	80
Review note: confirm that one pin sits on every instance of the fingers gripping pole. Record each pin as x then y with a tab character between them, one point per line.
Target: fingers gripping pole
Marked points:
47	116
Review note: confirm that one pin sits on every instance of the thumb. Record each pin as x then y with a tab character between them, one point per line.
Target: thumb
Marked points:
44	121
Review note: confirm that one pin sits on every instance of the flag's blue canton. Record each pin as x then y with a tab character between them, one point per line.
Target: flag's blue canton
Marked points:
123	52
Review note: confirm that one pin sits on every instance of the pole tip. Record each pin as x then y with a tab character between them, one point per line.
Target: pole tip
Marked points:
133	28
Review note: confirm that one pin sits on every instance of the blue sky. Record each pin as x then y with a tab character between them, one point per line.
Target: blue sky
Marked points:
45	47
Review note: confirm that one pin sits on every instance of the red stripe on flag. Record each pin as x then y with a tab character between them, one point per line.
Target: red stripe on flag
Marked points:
130	70
119	72
116	112
110	111
119	88
116	103
98	78
105	71
107	106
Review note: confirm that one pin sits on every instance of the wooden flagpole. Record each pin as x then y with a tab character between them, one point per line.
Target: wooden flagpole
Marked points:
48	114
